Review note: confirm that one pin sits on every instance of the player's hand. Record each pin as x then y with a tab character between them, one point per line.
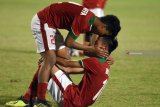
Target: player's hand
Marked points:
110	60
101	52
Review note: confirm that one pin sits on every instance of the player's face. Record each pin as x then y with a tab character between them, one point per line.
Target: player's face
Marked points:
99	43
102	30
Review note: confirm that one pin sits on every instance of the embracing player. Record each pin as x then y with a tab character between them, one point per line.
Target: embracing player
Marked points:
97	7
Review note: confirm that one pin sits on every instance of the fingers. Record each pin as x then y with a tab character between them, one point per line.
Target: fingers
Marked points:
110	60
103	54
100	52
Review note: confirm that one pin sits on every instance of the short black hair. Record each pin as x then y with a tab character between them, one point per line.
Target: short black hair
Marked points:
111	42
113	24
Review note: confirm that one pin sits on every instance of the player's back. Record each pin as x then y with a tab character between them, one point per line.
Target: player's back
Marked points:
60	15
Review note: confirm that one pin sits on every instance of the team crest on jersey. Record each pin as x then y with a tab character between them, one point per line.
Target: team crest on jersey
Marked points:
84	11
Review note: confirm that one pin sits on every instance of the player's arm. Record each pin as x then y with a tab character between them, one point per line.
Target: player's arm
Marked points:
68	63
110	60
70	42
70	70
69	66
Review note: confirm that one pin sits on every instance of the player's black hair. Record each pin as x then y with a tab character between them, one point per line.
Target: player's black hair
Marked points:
111	42
113	24
114	45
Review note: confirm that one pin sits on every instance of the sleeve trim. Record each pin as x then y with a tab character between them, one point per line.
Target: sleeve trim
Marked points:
81	63
91	20
72	34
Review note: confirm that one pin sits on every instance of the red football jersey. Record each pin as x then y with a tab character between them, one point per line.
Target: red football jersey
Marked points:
94	3
94	79
66	15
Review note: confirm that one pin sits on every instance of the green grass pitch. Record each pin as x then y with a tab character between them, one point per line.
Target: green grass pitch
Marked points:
134	79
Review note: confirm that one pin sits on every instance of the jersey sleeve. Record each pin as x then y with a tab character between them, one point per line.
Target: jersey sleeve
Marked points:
81	24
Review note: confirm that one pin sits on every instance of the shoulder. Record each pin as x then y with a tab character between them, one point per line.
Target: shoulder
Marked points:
95	62
89	61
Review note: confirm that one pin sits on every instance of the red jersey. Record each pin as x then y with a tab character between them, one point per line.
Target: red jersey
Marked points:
94	79
94	3
93	82
70	16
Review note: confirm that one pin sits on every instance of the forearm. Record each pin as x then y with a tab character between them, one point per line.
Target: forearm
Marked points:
67	63
70	70
89	54
70	42
79	46
75	70
62	62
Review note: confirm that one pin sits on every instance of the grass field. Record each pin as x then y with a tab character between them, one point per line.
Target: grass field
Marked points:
134	79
